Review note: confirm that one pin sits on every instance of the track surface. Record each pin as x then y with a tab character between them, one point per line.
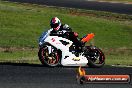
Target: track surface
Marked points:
37	76
84	4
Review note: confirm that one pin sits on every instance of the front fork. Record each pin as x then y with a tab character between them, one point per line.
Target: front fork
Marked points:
49	49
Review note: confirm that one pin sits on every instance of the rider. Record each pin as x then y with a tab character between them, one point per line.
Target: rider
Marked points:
63	30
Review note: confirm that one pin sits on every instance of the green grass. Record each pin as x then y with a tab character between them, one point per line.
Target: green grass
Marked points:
19	56
118	56
118	60
22	24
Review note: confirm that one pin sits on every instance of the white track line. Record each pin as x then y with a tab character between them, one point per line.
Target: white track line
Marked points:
112	1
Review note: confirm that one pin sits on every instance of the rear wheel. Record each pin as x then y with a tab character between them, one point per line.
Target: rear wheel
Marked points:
95	56
49	58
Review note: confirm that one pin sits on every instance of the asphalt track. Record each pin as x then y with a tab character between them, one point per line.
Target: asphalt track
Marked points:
37	76
84	4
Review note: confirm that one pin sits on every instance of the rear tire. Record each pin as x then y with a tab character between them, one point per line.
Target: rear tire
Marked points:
93	54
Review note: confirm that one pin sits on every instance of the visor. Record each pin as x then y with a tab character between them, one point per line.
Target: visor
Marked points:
54	25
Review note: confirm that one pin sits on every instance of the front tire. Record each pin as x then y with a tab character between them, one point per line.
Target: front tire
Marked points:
49	59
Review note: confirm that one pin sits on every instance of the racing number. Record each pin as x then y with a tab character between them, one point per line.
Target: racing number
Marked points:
53	40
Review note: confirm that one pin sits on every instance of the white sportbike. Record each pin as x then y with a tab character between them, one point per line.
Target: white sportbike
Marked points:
56	51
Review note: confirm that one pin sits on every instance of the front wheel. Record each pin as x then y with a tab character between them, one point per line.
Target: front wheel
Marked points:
95	56
49	58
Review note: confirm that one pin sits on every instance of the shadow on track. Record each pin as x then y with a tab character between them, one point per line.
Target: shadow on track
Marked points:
35	65
40	65
21	64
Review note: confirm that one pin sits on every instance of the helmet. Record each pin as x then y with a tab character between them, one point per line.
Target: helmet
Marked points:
55	23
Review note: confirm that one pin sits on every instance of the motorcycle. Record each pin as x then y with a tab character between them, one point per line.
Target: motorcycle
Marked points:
56	51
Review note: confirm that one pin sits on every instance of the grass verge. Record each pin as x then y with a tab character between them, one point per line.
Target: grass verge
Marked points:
19	56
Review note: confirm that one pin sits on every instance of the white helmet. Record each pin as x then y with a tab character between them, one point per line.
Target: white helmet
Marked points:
55	23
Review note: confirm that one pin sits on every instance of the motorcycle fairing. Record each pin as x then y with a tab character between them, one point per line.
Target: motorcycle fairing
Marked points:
68	59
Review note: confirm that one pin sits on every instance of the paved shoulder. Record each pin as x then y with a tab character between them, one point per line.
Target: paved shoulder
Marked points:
84	4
